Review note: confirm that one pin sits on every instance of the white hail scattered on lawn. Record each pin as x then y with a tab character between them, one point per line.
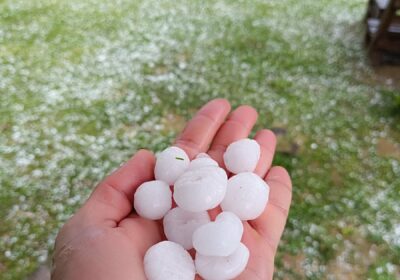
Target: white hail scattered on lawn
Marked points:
78	100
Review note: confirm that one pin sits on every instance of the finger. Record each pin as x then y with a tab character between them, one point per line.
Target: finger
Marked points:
200	131
237	126
267	141
112	199
272	221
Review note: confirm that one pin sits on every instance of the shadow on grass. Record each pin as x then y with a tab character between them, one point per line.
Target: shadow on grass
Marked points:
284	159
387	106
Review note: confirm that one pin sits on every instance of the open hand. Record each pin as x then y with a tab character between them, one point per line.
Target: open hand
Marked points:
106	240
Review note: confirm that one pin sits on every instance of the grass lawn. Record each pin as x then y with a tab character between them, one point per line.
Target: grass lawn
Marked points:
85	83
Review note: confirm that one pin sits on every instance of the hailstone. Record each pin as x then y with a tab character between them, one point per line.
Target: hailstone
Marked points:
246	196
153	199
202	155
219	238
179	225
170	164
168	260
202	162
200	189
222	268
242	156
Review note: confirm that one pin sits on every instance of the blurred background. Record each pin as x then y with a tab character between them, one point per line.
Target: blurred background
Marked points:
85	83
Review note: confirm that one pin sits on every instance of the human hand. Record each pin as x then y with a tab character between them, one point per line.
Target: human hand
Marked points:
106	240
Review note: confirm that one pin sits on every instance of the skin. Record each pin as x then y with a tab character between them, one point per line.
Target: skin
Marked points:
106	240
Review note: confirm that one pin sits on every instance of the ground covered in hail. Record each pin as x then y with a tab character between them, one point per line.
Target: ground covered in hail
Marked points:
83	84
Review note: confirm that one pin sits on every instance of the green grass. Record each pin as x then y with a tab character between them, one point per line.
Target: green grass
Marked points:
85	84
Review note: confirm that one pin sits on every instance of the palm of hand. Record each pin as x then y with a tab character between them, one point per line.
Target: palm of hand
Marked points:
104	240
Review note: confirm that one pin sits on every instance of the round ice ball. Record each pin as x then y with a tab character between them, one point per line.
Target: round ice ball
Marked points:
170	164
220	173
242	156
202	162
246	196
219	238
202	155
223	268
168	260
180	224
200	189
153	199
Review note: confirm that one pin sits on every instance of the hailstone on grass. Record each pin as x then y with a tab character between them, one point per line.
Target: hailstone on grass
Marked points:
180	224
168	260
246	196
219	238
200	189
153	200
170	164
242	156
222	268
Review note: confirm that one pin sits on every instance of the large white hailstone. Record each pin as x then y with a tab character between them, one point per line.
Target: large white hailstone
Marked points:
202	155
170	164
168	260
219	172
219	238
200	189
223	268
246	196
202	162
179	225
153	200
242	156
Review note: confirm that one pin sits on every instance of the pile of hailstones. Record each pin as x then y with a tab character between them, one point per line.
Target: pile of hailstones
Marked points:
200	185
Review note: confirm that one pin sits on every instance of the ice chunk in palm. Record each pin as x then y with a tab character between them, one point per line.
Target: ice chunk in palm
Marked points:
153	200
200	189
179	225
219	238
202	162
246	196
222	268
170	164
202	155
168	260
242	156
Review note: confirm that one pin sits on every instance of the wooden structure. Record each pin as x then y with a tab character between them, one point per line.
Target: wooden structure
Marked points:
383	31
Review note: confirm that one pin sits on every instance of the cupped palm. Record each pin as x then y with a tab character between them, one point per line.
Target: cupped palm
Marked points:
106	240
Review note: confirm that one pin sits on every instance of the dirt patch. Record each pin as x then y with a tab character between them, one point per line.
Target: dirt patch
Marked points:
295	263
353	260
388	74
285	144
173	122
336	178
386	148
42	273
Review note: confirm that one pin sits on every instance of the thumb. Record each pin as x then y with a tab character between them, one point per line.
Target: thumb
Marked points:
112	200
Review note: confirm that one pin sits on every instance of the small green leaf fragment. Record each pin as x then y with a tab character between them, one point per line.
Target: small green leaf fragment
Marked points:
179	158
